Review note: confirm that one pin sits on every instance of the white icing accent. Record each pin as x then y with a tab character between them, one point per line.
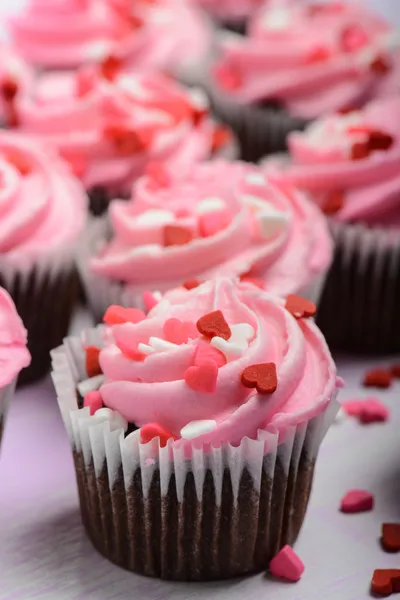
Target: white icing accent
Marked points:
196	428
272	222
97	51
231	349
155	217
90	385
242	331
145	349
115	419
199	98
132	86
255	179
161	345
209	205
157	295
145	250
277	18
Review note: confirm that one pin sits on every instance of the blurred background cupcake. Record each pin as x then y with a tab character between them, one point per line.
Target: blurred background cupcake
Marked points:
171	35
350	166
16	77
230	14
14	354
195	458
43	212
109	124
298	62
216	218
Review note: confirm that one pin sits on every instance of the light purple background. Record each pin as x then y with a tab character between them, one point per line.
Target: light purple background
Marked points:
44	553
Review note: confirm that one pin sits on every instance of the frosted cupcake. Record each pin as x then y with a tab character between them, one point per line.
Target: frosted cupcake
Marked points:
298	62
195	457
217	218
109	125
350	165
16	78
14	354
65	34
42	214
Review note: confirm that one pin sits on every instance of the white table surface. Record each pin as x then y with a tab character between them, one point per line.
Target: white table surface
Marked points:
44	553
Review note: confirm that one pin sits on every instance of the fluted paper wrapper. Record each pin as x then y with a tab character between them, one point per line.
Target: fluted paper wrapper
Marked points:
218	513
6	393
45	295
359	309
102	292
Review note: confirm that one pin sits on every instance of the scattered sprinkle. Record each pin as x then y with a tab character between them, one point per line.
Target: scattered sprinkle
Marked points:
196	428
176	235
391	537
368	410
300	307
214	325
92	363
360	150
380	65
150	299
334	202
220	138
379	378
117	315
357	501
9	89
263	377
287	565
154	430
190	284
179	332
110	67
204	351
94	401
385	581
202	378
90	385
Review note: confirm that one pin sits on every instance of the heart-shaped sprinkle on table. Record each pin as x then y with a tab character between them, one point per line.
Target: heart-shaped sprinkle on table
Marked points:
287	565
300	307
391	537
92	363
94	401
263	377
179	332
213	324
202	378
386	581
176	235
154	430
368	410
379	378
357	501
117	315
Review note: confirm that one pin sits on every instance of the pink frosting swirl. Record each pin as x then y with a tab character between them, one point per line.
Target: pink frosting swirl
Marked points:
16	78
42	206
235	222
68	33
313	58
333	160
155	389
14	354
110	128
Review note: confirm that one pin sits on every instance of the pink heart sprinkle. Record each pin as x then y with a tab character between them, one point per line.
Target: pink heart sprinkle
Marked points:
154	430
202	378
204	352
212	222
354	38
179	332
356	501
94	401
368	410
149	300
287	565
131	353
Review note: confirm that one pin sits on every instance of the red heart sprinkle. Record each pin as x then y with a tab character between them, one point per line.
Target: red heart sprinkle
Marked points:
300	307
202	378
263	377
126	141
246	278
150	300
353	38
179	332
360	150
319	54
221	137
357	501
396	371
92	363
379	140
386	581
117	315
198	114
153	430
94	401
9	89
379	378
191	284
228	78
110	67
380	65
176	235
391	537
206	352
334	202
214	325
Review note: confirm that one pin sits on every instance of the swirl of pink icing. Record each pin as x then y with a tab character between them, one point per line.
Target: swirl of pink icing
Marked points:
59	34
155	389
16	78
325	160
313	59
108	129
236	222
42	206
14	354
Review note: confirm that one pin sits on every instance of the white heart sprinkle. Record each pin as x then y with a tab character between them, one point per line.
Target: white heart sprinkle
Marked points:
230	349
155	217
116	420
255	179
209	205
199	98
161	345
272	222
196	428
276	18
90	385
145	349
241	332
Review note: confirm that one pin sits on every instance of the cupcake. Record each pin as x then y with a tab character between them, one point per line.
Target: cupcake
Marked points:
162	34
42	214
298	62
109	125
230	14
14	354
16	77
350	166
217	218
195	457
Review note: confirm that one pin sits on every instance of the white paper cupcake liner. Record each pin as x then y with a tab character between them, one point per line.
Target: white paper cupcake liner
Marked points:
359	308
220	513
45	294
6	393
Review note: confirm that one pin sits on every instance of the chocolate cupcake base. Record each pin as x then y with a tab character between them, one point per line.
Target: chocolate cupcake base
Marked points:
359	309
216	514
